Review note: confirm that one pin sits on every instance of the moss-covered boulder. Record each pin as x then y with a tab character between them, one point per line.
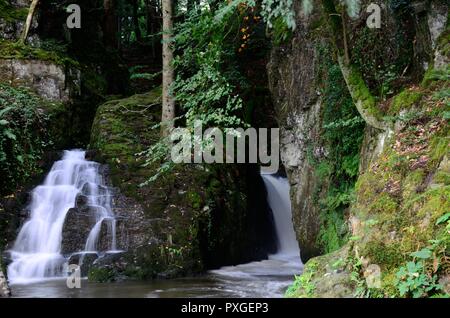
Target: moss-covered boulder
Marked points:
192	218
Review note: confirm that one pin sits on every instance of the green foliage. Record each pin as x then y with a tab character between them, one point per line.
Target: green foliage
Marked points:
419	277
412	280
280	18
101	275
208	77
276	9
303	283
22	135
10	13
210	84
342	135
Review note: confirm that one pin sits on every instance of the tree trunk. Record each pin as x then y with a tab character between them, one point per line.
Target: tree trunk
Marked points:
168	102
29	20
137	29
360	93
110	24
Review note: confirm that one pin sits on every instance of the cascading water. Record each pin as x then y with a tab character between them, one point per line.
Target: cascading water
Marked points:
280	203
36	253
270	277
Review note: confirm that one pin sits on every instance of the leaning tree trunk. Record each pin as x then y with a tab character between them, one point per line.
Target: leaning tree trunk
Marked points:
361	96
168	101
29	20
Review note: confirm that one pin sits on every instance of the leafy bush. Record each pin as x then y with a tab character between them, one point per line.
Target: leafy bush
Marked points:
22	135
210	85
419	277
413	280
342	137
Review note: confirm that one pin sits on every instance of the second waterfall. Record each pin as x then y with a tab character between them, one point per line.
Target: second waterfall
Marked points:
37	251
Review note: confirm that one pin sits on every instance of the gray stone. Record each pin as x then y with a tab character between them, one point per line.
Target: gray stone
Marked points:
76	229
47	79
298	106
4	288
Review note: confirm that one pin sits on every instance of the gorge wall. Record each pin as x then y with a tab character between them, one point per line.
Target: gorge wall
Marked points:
394	198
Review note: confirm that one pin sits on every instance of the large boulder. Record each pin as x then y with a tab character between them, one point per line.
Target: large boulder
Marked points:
192	218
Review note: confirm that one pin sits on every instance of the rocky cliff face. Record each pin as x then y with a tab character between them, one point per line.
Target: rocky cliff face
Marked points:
297	100
403	177
47	79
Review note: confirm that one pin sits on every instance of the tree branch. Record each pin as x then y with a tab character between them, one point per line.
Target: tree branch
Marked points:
29	20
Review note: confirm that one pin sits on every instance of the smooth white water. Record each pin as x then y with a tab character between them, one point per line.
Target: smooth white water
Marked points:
280	202
270	277
36	253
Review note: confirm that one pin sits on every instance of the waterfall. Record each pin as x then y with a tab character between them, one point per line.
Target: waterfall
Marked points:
283	265
36	253
280	203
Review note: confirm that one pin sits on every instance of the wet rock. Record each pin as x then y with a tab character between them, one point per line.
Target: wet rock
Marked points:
4	288
298	105
76	229
84	260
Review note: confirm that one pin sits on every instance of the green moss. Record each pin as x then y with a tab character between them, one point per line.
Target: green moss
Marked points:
387	255
100	275
439	146
10	13
442	177
361	92
17	50
411	182
405	100
435	75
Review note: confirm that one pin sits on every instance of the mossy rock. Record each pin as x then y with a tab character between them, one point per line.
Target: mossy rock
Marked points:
17	50
404	101
325	276
190	218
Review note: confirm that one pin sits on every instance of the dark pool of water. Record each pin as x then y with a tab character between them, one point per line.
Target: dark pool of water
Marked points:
268	278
